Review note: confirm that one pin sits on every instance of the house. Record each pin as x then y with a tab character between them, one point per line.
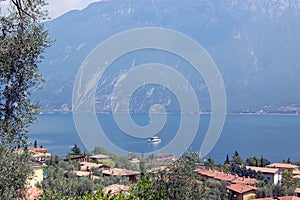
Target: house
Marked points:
88	166
161	158
81	158
241	191
283	166
221	176
39	154
270	174
37	176
33	193
37	150
121	172
100	157
297	191
280	198
82	173
115	189
245	181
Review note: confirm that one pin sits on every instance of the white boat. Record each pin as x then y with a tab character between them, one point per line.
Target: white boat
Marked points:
154	139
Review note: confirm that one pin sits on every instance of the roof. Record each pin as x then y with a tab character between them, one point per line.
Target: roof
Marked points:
158	169
77	157
218	175
115	188
38	154
297	176
240	188
297	190
100	156
296	172
119	172
81	173
37	150
135	161
244	180
263	169
90	165
280	198
33	193
282	166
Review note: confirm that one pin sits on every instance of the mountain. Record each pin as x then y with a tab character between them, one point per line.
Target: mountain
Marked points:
254	43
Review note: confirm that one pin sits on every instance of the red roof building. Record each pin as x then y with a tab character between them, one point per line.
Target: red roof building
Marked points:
241	191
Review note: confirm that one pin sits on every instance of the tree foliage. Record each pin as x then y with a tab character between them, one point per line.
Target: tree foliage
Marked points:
23	41
258	162
179	181
237	159
14	173
76	150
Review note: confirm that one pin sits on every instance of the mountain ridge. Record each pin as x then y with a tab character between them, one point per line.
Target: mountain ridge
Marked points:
253	43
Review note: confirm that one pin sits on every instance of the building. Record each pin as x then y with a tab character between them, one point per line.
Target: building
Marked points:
297	191
221	176
88	166
33	193
37	176
161	158
241	191
270	174
280	198
283	166
100	157
115	189
39	154
121	172
82	158
245	180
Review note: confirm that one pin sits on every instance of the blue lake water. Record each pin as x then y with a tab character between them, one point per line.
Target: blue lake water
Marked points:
273	136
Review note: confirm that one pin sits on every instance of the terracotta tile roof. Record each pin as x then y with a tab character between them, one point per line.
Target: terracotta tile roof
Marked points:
282	166
33	193
115	188
297	190
244	180
194	181
280	198
296	172
119	172
240	188
296	176
289	198
226	176
37	150
208	173
263	169
90	165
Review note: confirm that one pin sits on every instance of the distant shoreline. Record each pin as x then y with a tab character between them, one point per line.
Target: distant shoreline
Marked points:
204	113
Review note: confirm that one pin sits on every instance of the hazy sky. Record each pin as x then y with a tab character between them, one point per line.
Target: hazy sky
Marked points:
59	7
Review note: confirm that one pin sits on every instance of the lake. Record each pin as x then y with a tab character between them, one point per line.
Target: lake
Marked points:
273	136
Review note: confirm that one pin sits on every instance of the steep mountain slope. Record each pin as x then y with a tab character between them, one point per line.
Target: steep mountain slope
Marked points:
255	45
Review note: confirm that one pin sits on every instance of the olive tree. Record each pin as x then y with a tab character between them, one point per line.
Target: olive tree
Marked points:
23	40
